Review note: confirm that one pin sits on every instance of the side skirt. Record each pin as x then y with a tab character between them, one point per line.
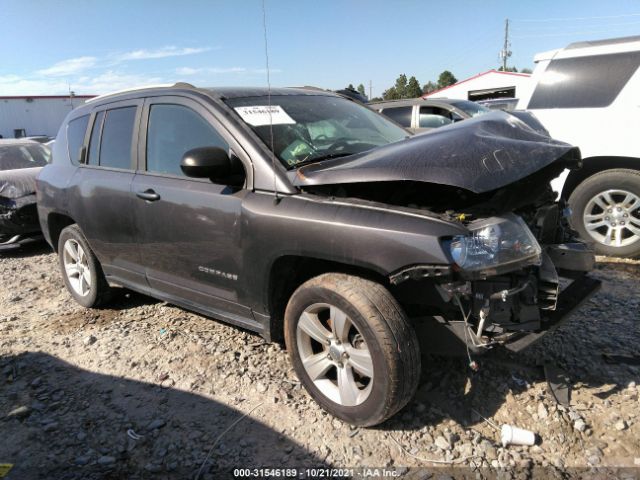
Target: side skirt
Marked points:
233	319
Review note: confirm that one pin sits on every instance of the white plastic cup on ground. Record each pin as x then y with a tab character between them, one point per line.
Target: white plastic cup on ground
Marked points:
517	436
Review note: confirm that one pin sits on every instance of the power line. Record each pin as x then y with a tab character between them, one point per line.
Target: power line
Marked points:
576	18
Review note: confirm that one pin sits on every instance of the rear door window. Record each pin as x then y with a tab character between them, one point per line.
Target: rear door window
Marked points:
117	136
584	82
174	130
401	115
75	137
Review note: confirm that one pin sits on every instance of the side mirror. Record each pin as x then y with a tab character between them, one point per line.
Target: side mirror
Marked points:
206	162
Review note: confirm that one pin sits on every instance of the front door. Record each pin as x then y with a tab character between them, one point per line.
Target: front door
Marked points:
189	230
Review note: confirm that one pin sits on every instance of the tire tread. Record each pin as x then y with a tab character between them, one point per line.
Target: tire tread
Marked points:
394	333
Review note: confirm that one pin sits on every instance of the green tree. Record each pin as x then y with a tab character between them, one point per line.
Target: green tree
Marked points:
351	87
526	70
361	90
446	78
401	86
391	94
413	88
429	87
508	69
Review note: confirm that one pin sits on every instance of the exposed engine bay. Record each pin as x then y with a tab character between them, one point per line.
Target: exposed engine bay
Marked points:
492	306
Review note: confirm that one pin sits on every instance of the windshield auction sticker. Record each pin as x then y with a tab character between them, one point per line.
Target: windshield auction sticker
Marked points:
264	115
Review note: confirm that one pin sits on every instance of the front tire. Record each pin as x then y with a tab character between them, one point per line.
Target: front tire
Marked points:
606	211
352	347
81	270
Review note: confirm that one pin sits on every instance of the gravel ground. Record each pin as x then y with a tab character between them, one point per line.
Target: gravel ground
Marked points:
147	390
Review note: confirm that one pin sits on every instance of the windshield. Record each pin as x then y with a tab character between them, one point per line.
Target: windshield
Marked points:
472	109
13	157
312	128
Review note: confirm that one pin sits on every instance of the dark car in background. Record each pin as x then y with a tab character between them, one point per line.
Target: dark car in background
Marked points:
20	162
307	217
420	115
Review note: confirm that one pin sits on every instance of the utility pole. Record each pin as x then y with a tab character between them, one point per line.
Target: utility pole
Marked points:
71	95
370	97
505	53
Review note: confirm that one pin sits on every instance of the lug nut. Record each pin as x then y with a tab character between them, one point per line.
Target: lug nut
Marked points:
622	223
606	218
619	209
625	215
613	224
345	355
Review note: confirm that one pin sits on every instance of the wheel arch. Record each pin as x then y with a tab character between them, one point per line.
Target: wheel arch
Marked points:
57	222
295	270
593	165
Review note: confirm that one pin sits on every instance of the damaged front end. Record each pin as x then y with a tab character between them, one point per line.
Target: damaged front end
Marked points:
516	275
519	271
18	209
509	282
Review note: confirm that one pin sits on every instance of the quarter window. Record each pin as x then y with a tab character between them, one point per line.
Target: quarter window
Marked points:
174	130
584	82
401	115
117	135
75	137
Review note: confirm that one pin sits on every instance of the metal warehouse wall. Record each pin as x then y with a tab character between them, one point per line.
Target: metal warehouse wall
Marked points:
483	81
37	115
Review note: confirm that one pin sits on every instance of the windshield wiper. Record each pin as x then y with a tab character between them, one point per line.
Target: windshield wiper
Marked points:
320	158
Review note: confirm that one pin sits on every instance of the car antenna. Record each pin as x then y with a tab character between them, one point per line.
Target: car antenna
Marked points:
266	55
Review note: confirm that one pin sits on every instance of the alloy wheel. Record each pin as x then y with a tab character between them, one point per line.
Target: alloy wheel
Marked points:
76	267
612	218
334	354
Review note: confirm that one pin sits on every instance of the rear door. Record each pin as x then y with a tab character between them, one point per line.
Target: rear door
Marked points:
188	229
102	203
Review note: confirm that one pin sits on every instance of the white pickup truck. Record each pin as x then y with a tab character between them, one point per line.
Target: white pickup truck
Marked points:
588	94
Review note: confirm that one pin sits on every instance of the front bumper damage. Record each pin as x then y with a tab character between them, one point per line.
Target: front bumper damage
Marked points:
18	218
513	310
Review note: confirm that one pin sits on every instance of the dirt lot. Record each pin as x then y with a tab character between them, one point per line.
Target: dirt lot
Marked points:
147	390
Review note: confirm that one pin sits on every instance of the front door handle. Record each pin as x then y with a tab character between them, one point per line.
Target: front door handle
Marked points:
148	195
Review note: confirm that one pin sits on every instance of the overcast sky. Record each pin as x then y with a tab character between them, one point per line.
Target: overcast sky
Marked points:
100	46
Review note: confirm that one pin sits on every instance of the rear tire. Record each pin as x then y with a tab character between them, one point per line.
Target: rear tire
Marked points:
81	270
352	347
606	211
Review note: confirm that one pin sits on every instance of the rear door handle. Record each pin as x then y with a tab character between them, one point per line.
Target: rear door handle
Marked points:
148	195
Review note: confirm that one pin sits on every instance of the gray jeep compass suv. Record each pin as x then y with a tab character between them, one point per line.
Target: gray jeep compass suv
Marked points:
306	217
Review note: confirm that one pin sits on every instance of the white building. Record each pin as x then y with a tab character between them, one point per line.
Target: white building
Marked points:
35	115
486	85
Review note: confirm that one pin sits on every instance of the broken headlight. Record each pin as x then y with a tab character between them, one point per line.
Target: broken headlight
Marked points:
495	243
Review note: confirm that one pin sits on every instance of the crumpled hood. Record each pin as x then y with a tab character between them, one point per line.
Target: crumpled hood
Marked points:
480	155
18	183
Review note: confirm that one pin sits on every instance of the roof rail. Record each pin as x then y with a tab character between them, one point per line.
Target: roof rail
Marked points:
143	87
